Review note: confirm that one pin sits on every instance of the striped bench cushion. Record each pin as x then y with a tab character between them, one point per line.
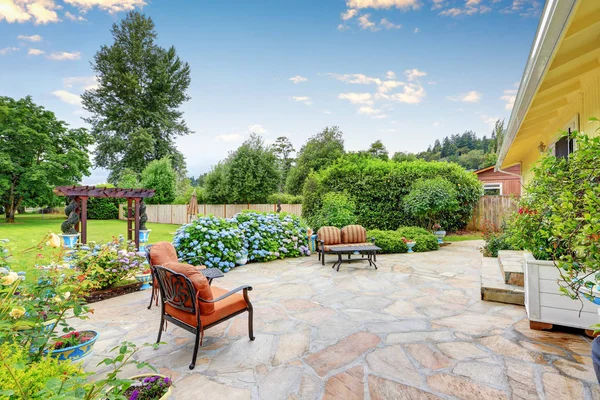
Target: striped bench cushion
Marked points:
354	234
329	235
328	248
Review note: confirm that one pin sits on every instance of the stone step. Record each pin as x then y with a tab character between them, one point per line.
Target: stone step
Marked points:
511	264
494	288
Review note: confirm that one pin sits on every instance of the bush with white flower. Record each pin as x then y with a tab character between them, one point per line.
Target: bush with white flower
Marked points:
269	236
106	264
211	241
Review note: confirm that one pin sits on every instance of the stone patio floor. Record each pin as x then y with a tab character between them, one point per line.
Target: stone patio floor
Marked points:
414	329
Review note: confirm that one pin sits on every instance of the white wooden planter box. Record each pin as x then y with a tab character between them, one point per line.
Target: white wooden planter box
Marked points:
544	302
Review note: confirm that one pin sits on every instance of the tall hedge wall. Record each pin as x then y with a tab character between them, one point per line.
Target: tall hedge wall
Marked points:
378	188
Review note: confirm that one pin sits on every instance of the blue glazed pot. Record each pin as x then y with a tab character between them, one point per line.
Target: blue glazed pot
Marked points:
243	259
440	236
144	236
145	279
76	352
410	246
69	241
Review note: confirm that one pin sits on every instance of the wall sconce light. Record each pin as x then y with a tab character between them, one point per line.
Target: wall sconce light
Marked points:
541	147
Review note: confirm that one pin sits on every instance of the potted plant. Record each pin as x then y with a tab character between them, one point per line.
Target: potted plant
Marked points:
144	277
409	243
149	386
438	232
74	345
243	257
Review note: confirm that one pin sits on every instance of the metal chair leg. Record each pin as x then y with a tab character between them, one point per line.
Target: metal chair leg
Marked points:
196	345
162	325
250	322
152	296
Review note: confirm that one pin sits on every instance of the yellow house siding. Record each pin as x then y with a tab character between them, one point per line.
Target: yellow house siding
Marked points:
591	106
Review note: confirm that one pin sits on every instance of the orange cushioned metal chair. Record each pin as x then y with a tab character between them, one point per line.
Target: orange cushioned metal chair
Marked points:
189	302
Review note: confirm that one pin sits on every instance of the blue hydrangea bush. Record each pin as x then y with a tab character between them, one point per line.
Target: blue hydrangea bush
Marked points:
218	243
211	241
269	236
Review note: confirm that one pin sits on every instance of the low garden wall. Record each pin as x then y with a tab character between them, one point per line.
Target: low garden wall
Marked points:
177	213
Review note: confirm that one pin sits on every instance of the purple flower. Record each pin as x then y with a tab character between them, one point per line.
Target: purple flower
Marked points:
167	381
134	394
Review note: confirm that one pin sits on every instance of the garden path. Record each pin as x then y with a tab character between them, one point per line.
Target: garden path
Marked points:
414	329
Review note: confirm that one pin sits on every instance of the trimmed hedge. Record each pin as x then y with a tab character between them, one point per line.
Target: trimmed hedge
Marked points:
378	188
389	241
284	198
426	241
103	208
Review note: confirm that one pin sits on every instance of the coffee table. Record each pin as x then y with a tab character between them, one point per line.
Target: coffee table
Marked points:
212	273
369	250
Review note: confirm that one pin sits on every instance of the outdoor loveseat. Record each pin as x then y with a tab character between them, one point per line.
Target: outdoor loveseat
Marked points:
351	235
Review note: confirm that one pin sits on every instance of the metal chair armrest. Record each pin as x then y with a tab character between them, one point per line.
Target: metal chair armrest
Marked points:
245	288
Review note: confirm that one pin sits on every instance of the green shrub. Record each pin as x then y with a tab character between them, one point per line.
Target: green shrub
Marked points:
103	208
426	241
337	210
284	198
378	189
429	199
389	241
34	380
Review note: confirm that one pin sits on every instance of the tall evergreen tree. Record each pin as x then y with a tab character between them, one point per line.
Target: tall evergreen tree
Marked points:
283	149
135	114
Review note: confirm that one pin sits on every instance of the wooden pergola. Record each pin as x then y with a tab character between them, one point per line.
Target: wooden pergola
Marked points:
80	195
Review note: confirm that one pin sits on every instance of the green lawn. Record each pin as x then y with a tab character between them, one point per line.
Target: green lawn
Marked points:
463	236
29	229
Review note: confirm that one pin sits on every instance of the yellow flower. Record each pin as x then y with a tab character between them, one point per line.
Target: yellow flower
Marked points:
53	241
17	312
9	279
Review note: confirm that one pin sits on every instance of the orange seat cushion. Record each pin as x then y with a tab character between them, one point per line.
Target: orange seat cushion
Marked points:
329	235
162	253
224	308
199	281
354	234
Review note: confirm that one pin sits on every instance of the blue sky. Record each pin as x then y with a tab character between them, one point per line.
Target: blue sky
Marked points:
403	71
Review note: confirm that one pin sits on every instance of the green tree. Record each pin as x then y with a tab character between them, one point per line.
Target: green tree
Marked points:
37	153
429	199
128	179
215	184
400	156
252	172
283	150
378	150
135	114
320	151
159	175
472	160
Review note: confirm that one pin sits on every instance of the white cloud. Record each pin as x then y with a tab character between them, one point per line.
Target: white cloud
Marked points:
73	17
298	79
488	120
68	97
81	82
437	4
379	116
389	25
342	27
368	110
230	137
472	3
509	97
390	75
414	74
357	98
349	14
452	12
32	38
436	124
302	99
417	30
327	112
8	50
365	23
35	52
401	4
257	128
468	97
63	55
45	11
411	94
112	6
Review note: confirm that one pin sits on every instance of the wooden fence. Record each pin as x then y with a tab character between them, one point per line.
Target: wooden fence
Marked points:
494	209
177	213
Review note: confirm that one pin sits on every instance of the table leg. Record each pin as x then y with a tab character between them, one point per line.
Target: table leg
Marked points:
374	259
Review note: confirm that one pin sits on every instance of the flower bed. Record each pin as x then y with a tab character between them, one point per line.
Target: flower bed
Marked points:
217	242
109	263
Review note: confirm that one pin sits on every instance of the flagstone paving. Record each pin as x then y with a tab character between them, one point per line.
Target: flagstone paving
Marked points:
413	329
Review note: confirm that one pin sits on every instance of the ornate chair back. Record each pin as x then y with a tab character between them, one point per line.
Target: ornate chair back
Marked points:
176	289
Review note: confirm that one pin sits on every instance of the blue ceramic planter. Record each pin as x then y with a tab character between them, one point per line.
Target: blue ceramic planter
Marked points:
145	279
69	241
144	236
410	246
76	352
243	259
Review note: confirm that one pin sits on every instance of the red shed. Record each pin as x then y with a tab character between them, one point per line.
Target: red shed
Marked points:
501	183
